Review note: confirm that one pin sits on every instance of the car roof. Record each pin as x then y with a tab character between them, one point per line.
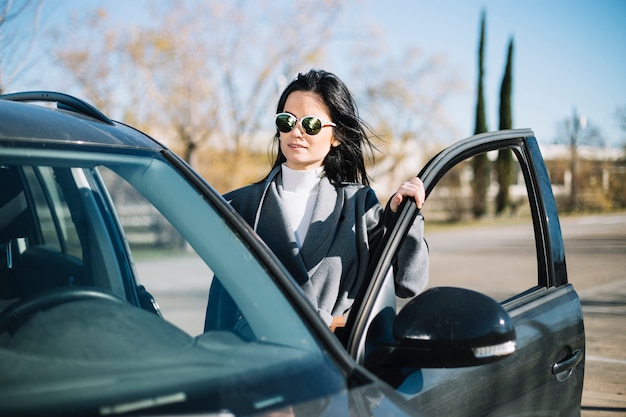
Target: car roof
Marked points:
73	121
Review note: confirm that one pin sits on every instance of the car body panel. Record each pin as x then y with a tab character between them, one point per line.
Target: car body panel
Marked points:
35	124
162	367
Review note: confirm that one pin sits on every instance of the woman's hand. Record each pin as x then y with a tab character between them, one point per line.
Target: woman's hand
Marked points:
411	188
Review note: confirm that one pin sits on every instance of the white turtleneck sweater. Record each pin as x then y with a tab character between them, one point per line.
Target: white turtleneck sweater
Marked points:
299	194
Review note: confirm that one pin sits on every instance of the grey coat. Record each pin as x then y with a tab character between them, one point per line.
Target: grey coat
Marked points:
347	223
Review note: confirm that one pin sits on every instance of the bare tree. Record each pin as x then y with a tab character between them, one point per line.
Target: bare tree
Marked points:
94	66
620	116
618	186
402	101
576	132
204	76
20	24
203	73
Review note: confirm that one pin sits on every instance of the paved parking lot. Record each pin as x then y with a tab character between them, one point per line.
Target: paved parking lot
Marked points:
596	261
604	310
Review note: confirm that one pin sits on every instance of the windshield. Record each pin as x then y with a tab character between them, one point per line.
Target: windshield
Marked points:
210	317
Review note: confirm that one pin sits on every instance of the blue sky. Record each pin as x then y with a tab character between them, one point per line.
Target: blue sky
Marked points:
568	53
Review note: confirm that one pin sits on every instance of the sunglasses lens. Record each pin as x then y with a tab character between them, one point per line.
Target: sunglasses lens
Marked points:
285	122
312	125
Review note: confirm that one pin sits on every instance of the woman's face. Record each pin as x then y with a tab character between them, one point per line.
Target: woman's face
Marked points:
304	151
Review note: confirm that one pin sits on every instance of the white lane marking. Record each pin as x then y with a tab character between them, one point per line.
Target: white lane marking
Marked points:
606	360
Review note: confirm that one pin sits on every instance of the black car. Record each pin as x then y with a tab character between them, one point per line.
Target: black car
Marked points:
109	243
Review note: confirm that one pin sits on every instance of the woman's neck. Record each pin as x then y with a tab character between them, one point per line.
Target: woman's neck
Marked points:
300	181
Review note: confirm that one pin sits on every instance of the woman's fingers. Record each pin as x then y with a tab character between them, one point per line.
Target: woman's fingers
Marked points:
411	188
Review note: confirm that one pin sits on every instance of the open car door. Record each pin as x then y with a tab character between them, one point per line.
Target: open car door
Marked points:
429	349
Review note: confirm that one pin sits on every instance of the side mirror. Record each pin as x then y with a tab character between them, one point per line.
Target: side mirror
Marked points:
447	327
147	301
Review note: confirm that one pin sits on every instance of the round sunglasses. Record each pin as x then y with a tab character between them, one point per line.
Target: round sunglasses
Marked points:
285	122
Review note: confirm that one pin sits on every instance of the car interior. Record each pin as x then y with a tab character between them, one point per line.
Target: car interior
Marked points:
25	259
41	235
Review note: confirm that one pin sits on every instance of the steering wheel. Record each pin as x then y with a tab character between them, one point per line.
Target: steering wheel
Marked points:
18	313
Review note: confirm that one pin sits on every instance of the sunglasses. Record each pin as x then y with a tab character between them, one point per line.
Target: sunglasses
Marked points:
285	122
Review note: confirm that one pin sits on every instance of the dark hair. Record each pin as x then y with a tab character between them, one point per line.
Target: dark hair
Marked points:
343	163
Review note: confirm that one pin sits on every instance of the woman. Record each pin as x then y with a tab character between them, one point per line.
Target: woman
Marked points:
315	209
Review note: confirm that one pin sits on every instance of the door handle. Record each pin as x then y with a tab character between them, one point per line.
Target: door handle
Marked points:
568	363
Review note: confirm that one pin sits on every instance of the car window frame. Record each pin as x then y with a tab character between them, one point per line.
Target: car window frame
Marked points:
548	242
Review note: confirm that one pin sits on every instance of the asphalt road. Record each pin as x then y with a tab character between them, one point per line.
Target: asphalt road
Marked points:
476	256
595	248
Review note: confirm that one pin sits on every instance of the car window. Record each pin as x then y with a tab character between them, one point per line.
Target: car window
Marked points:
495	253
159	238
217	251
60	239
165	264
179	241
56	224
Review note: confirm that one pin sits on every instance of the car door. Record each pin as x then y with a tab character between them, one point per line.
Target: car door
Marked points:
544	376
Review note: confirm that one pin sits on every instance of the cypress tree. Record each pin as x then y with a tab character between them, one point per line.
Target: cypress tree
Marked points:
480	163
504	163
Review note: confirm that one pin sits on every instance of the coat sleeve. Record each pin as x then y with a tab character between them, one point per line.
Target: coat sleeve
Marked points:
411	267
411	264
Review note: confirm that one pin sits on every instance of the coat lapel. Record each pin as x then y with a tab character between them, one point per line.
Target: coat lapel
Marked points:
275	229
326	216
